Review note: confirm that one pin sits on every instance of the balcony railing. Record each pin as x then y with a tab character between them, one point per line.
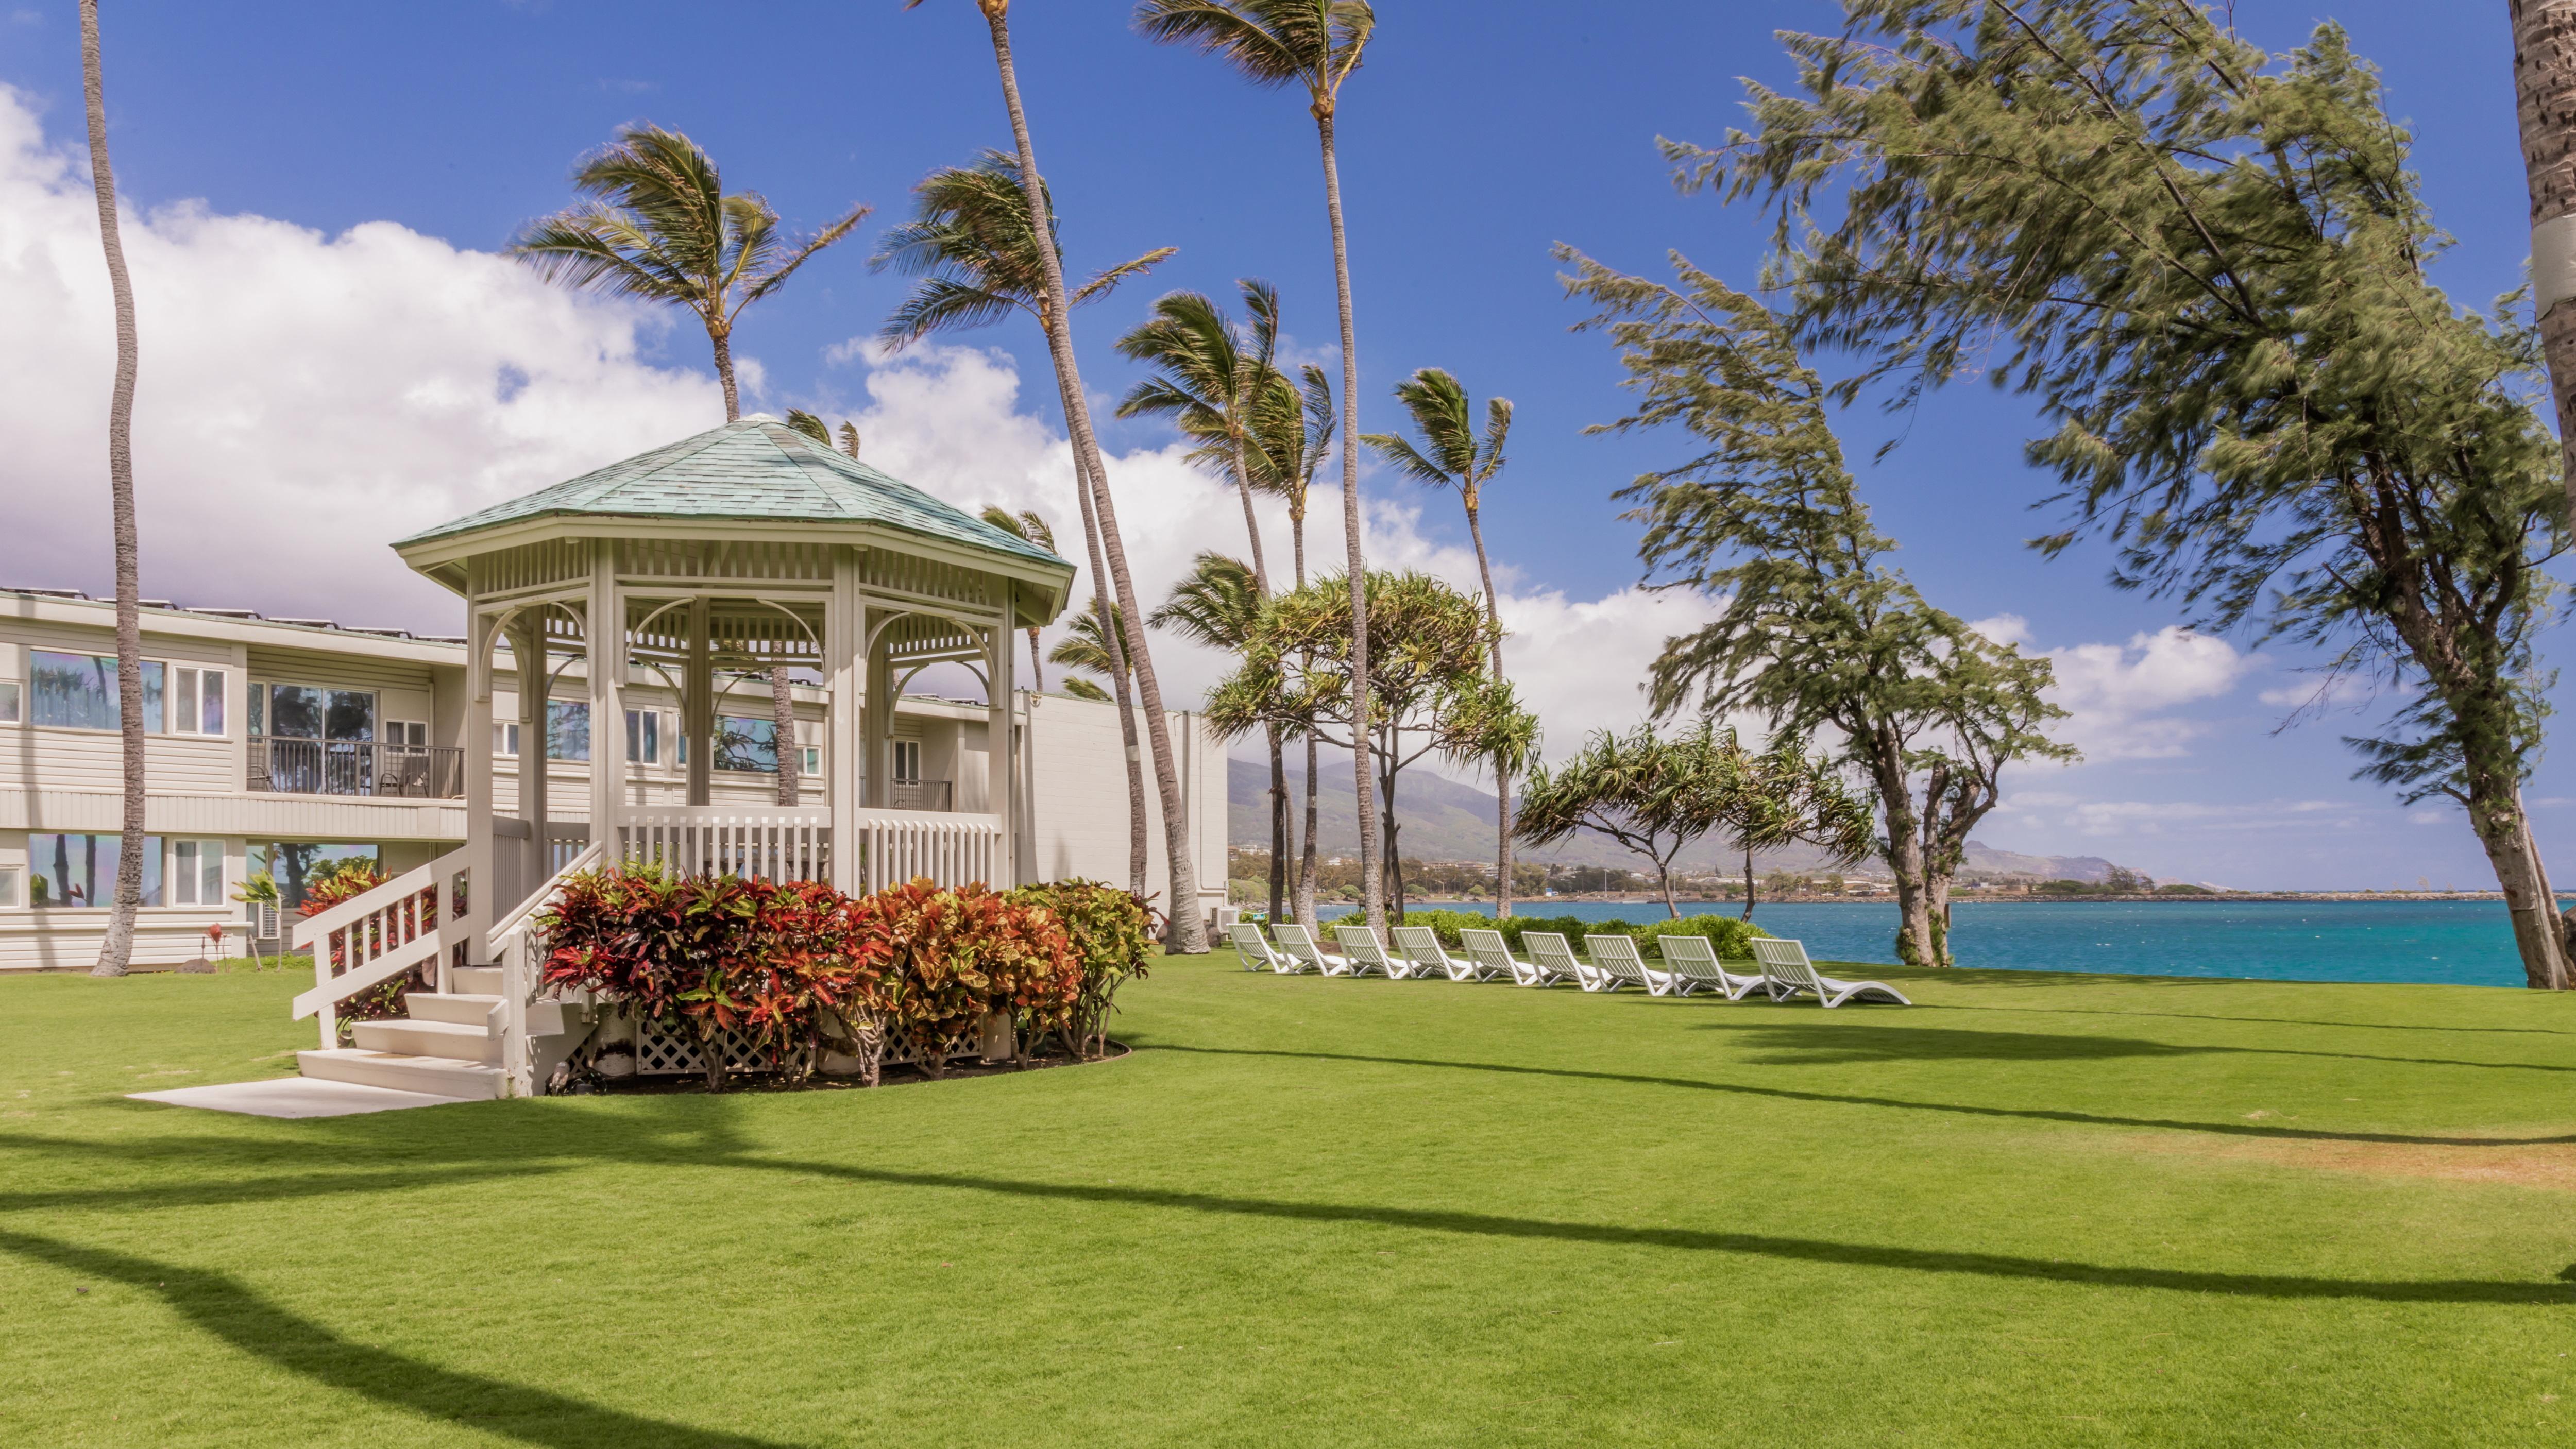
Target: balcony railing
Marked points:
939	796
357	767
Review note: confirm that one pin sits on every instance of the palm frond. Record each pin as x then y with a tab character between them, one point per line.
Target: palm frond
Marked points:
1102	283
810	425
940	305
1412	464
1214	605
1081	688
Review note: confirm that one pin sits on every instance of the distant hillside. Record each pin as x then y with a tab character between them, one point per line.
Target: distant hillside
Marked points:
1444	820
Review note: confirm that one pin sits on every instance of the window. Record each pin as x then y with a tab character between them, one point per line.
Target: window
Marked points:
197	872
198	702
294	866
567	730
258	701
907	762
78	691
304	712
644	736
813	760
81	870
406	732
746	744
8	887
8	701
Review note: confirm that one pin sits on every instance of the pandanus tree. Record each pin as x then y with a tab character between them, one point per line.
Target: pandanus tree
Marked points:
118	949
1026	524
1456	455
2209	268
1658	795
1314	45
1433	692
1209	377
976	251
659	226
1189	928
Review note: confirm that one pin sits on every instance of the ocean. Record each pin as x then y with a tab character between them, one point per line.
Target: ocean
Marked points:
2466	942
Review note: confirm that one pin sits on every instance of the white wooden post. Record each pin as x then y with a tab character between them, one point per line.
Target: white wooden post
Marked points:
528	651
845	630
604	640
1001	774
482	866
698	704
877	743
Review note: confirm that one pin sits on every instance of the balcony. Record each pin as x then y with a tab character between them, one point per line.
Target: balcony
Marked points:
937	796
357	767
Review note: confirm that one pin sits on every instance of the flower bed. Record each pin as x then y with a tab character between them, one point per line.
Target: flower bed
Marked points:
789	978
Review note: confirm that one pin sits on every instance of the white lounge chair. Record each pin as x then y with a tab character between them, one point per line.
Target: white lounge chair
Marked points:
1366	953
1787	972
1299	942
1616	963
1552	960
1256	950
1693	965
1494	956
1421	945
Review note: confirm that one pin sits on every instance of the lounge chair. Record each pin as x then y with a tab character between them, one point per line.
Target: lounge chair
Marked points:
1787	972
1615	963
1299	942
1552	960
1692	963
1256	950
1421	945
1366	953
1493	956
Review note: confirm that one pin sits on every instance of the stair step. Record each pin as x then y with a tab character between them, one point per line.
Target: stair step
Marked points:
476	980
468	1010
447	1039
438	1076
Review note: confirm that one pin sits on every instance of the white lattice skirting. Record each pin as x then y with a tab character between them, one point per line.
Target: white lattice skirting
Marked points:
672	1054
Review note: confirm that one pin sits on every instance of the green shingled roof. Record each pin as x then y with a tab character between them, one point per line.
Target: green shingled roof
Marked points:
757	468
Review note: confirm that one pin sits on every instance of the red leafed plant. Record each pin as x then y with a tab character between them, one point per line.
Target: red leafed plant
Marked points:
958	954
1111	931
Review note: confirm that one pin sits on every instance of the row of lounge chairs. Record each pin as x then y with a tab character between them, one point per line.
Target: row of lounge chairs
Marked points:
1689	964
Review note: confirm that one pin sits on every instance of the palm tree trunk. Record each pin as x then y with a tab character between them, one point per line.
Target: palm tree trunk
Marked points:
1118	679
1748	882
1306	862
1278	824
1372	884
1251	520
118	949
1037	664
1189	931
782	724
1502	765
722	342
2544	82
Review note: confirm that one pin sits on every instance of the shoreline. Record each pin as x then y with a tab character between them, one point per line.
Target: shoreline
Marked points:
1539	905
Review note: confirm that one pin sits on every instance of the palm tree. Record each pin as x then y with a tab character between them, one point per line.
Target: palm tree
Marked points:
1028	525
1295	428
973	246
660	227
1208	383
814	427
1188	930
1086	645
1315	44
118	949
1459	459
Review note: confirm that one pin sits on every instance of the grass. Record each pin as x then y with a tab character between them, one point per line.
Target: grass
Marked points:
2036	1210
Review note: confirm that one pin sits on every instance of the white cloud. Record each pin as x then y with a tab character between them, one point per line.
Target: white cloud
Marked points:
2052	810
2119	697
302	400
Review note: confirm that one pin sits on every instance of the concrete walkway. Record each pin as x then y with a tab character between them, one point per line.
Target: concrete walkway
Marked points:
293	1097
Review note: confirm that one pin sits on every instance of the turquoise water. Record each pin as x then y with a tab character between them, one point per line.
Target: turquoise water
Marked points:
2469	942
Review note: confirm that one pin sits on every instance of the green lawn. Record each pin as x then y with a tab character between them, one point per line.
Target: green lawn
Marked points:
2036	1209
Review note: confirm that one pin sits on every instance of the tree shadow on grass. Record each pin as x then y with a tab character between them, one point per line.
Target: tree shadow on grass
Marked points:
224	1308
1847	1099
2251	1020
1825	1042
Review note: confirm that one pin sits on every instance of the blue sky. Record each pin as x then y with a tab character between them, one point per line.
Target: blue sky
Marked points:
1478	135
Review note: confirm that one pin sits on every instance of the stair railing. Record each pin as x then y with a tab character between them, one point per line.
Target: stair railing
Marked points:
517	946
379	935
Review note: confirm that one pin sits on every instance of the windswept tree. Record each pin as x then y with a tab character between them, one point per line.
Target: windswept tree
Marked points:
1815	632
2207	266
1659	795
973	245
1088	646
1432	694
847	440
659	226
118	949
1025	524
1189	928
1295	426
1456	455
1314	45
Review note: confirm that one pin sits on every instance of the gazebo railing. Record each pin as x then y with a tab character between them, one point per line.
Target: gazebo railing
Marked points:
953	850
890	846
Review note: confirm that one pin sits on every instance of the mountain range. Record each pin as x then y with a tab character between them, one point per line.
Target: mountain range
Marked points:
1443	819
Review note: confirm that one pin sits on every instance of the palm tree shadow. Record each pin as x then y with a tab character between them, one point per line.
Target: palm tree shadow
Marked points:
1819	1042
224	1308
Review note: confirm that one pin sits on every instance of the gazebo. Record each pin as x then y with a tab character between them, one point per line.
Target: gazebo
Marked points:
743	549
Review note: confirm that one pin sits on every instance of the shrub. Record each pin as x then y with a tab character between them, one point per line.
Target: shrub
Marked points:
955	955
1111	932
1731	936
